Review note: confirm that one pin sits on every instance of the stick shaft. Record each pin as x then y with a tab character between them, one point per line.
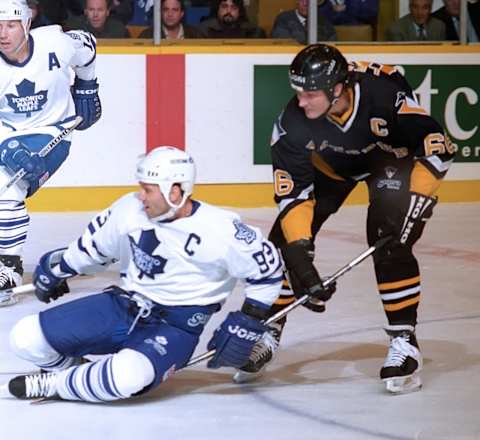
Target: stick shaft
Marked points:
285	311
43	152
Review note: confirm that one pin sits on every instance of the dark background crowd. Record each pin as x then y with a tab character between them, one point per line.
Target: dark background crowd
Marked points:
338	20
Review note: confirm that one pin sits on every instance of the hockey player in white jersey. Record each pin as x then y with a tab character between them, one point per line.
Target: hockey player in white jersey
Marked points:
36	103
179	259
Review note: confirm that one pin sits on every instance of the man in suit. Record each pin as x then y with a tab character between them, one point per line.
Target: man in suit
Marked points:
293	24
450	15
172	12
419	25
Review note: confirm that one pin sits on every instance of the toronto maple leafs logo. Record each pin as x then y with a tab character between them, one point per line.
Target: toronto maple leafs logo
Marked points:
243	232
27	100
142	254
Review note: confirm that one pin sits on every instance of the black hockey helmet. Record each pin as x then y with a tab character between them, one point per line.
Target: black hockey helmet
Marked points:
318	67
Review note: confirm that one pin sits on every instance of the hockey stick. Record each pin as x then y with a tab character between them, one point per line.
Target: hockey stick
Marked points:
43	152
305	298
7	297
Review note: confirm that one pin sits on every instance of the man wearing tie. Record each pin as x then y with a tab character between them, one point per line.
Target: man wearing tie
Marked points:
418	25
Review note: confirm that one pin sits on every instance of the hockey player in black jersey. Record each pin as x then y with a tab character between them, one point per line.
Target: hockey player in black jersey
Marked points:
350	123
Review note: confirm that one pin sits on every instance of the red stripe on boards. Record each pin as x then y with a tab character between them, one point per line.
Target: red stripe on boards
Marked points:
165	100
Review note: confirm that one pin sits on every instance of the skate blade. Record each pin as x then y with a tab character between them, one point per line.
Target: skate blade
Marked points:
403	385
5	392
8	300
246	377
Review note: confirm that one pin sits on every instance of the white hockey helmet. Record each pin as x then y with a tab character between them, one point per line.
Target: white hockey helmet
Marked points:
166	166
16	10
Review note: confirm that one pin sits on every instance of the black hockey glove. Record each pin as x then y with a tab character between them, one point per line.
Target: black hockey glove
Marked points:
298	257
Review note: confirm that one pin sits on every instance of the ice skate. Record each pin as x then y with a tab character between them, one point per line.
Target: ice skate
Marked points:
401	369
32	386
11	272
263	352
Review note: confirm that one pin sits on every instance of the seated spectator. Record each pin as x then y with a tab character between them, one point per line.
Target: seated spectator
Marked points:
450	15
120	9
349	11
97	20
229	20
419	25
172	14
293	24
38	18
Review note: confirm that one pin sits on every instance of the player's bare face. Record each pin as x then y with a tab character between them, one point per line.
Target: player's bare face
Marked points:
172	13
154	202
313	103
12	39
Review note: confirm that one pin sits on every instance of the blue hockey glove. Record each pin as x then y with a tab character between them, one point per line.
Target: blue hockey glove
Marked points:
49	285
87	102
15	155
234	340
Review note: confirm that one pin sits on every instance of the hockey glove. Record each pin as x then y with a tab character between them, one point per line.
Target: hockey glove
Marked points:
87	102
15	155
298	257
234	340
49	285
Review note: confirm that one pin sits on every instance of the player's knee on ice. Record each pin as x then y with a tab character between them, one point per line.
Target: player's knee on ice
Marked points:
132	371
29	343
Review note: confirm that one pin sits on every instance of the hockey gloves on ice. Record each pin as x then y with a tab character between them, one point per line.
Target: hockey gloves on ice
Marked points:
15	155
87	102
234	340
49	277
304	279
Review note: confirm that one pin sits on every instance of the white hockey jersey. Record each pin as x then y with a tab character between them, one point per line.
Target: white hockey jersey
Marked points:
195	260
36	93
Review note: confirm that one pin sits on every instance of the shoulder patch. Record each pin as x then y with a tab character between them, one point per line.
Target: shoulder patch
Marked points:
244	232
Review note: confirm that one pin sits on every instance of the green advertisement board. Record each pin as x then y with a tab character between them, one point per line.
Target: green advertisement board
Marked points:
451	93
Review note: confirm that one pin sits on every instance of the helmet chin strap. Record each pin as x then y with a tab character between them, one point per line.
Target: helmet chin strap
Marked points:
170	214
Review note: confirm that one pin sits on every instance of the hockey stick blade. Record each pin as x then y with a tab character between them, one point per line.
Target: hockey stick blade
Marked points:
304	298
7	297
43	152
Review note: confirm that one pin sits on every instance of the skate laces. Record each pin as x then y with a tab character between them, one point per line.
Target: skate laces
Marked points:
399	350
40	385
6	276
266	346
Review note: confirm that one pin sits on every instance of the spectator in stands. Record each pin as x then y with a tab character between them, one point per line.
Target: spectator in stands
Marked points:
172	14
38	18
97	20
418	25
293	24
450	15
229	20
119	9
353	12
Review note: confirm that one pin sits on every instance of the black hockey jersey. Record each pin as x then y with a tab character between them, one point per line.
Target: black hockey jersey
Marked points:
384	125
